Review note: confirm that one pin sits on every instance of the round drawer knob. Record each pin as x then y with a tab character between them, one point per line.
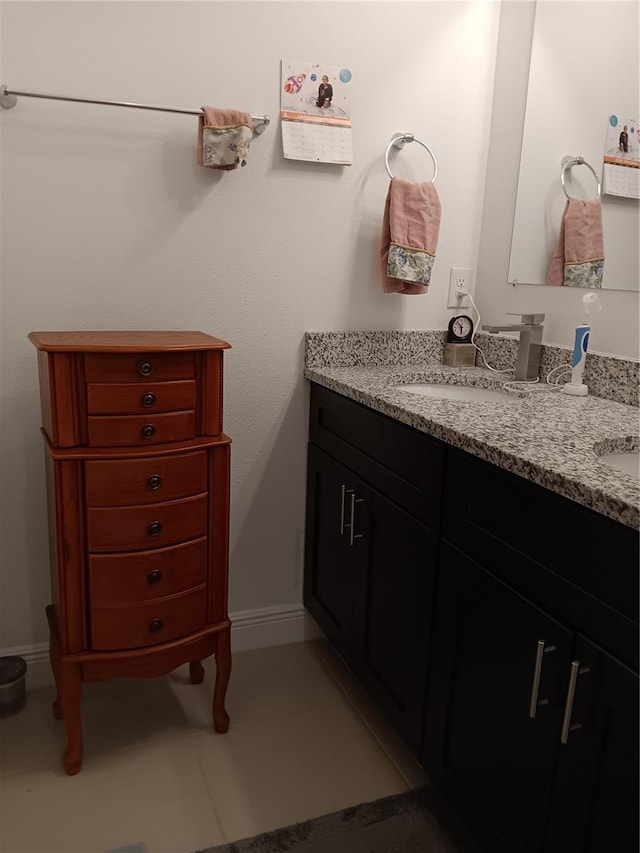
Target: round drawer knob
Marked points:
154	482
155	528
156	625
145	368
148	431
155	576
149	400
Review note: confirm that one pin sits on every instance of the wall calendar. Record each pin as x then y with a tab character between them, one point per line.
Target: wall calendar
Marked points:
621	171
315	112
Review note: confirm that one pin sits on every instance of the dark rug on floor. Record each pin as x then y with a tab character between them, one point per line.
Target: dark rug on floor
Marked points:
417	821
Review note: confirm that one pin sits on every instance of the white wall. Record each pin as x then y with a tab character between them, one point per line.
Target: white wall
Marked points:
107	223
616	329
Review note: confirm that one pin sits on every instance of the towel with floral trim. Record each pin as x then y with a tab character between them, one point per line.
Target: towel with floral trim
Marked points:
410	229
578	260
223	138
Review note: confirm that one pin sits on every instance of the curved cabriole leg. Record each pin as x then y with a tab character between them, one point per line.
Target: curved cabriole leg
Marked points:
223	671
196	671
54	657
70	695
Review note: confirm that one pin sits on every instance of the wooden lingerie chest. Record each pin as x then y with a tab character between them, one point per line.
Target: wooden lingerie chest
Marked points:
137	469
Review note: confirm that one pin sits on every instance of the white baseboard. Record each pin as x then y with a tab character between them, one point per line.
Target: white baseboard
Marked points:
271	626
250	629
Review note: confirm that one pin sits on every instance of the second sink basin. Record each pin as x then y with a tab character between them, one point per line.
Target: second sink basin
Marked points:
454	392
628	463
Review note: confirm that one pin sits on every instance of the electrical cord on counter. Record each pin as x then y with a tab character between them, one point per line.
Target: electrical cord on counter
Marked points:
549	384
476	326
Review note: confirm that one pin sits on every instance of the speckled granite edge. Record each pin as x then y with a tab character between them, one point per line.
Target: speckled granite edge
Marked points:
607	376
544	436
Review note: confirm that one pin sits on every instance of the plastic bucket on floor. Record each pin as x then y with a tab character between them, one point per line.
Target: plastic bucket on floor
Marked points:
13	693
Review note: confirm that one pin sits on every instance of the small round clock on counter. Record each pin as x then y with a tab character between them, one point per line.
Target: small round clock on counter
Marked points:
458	350
460	329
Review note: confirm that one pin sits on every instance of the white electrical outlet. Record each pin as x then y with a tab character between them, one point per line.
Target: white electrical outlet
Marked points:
459	279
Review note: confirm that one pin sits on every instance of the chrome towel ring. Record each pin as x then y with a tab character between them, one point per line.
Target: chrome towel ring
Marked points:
398	141
567	163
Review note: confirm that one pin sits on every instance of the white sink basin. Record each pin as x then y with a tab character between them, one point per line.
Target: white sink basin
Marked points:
628	463
454	392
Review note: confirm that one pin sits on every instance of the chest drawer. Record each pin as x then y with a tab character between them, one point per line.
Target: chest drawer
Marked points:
127	430
111	398
141	576
112	529
147	624
131	367
140	481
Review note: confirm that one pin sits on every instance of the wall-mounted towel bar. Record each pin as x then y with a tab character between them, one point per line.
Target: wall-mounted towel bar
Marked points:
398	141
568	162
8	99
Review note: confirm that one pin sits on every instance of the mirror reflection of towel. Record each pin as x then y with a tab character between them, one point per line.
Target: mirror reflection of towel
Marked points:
578	260
223	138
410	229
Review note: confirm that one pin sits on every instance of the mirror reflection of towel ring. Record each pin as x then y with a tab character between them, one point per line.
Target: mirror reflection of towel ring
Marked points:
398	141
567	163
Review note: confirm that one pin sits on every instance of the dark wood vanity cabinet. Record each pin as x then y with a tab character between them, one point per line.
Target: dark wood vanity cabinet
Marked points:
370	558
546	764
532	717
502	615
137	471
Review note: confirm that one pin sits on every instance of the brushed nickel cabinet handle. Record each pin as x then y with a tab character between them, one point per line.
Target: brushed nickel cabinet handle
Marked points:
568	705
352	534
344	491
567	725
537	674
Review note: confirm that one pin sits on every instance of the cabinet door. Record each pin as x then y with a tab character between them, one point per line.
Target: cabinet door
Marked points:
329	563
595	807
392	612
497	688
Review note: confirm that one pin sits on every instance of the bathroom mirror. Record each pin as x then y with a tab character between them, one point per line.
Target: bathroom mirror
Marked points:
584	69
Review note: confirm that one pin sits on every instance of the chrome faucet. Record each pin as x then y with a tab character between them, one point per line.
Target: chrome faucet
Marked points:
530	328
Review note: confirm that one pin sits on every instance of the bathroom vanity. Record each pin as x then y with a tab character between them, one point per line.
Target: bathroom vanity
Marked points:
137	472
485	592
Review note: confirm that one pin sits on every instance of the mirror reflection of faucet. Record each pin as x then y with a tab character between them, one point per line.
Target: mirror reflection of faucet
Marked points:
530	329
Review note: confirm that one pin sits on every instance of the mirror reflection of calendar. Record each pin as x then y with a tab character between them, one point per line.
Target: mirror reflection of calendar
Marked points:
621	174
315	112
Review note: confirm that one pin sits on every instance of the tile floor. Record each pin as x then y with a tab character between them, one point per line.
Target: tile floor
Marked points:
304	741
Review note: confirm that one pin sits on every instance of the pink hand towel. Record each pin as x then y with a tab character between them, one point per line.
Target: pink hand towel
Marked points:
410	228
578	260
223	138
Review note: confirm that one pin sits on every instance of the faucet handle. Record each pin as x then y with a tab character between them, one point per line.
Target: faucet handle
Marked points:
528	319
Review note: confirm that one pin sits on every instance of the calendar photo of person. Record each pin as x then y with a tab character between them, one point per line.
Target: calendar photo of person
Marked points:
315	110
622	157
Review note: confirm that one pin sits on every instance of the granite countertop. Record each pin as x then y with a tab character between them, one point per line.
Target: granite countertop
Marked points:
543	435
